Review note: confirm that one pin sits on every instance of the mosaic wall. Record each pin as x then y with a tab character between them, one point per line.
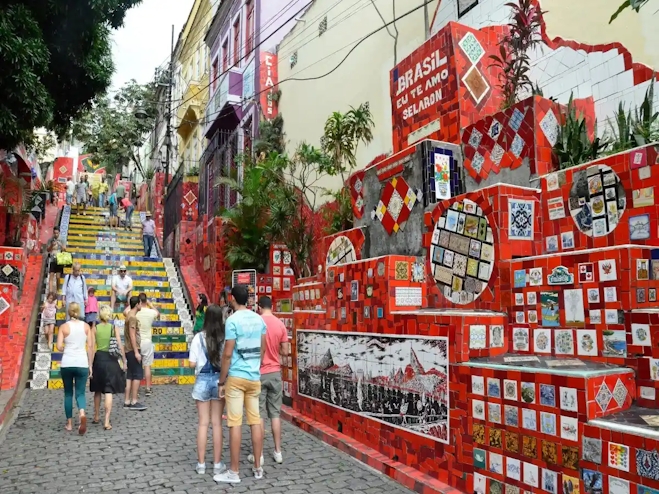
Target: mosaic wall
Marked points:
557	333
395	192
606	74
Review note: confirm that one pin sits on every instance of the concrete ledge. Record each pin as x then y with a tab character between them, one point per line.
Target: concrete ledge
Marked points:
403	474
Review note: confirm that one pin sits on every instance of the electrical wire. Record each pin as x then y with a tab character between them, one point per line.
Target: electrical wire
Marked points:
242	58
356	44
244	41
291	50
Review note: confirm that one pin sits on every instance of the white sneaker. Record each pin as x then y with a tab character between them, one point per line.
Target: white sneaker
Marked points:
258	473
250	458
201	468
219	468
277	456
227	477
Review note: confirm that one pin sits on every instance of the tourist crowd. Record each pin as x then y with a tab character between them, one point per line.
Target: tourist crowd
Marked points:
235	353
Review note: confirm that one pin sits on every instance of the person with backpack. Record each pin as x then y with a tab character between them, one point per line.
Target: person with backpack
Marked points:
205	357
75	288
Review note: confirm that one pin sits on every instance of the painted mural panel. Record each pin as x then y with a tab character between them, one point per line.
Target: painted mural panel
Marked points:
401	381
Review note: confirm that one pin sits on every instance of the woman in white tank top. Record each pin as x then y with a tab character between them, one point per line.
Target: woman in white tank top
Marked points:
76	342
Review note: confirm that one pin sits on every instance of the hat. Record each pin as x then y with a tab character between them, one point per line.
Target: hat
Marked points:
122	267
148	214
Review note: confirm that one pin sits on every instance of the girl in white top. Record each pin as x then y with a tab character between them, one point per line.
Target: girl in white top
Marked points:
76	342
206	358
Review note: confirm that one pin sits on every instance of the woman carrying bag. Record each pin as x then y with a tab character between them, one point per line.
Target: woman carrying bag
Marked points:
107	376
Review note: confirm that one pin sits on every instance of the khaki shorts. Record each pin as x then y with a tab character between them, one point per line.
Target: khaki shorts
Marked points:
147	351
241	393
271	395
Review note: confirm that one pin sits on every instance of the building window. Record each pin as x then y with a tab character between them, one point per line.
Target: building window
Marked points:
322	27
293	59
214	74
249	28
236	42
225	55
465	6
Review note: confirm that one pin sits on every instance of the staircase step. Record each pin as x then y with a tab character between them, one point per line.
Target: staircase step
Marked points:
100	250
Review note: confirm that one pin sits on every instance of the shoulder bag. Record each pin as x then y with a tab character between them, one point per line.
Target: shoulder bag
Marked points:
113	348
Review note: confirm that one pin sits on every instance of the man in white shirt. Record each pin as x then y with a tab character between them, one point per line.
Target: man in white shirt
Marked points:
122	286
70	189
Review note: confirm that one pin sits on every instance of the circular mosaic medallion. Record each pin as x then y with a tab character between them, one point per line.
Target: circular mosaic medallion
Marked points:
341	251
597	200
462	252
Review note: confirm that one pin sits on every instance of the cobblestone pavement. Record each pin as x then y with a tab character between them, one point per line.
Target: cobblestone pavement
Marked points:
155	452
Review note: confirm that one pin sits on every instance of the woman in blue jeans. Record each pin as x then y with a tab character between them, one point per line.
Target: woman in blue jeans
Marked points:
76	342
205	356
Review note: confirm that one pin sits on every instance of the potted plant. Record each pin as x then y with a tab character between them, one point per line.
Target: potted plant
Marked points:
192	175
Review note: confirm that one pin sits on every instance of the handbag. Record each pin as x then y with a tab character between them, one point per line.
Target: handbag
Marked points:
64	259
113	348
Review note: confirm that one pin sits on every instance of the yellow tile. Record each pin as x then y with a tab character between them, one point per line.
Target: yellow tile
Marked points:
186	379
179	347
55	384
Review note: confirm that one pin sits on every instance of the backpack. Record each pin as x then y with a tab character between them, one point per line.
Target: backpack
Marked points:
112	200
68	278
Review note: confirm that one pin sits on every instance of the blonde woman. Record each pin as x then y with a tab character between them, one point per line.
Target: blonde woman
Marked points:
107	376
75	341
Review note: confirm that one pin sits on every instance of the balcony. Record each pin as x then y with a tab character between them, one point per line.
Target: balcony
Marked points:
225	102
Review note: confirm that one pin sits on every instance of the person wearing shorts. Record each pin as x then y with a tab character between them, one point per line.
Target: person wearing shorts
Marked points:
122	286
146	316
240	381
134	371
272	387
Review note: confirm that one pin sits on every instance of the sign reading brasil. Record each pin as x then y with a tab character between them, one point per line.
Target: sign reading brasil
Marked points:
419	87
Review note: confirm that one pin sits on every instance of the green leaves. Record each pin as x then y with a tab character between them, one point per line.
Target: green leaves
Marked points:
573	146
634	4
342	134
111	131
513	61
57	57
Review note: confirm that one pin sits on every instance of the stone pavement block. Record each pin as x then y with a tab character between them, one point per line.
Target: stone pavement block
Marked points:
155	452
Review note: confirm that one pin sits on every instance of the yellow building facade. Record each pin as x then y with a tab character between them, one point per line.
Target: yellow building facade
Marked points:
191	80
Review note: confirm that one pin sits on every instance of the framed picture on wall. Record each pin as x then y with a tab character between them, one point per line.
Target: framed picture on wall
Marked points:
465	6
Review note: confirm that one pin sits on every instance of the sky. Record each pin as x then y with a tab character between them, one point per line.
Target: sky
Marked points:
143	43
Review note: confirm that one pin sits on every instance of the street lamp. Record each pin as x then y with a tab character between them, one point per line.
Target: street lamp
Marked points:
140	112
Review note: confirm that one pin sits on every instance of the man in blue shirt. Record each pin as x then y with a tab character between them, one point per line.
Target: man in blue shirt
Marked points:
240	380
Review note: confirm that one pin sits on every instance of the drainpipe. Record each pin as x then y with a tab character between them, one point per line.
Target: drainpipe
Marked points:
426	21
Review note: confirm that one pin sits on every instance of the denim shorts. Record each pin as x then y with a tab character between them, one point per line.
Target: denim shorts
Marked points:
91	317
206	387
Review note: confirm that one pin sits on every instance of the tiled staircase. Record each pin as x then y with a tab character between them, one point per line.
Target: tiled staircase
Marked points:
100	251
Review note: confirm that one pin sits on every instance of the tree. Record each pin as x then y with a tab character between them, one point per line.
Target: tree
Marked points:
247	224
112	132
342	134
56	57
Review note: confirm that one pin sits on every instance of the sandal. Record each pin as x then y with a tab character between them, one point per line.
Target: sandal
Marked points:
107	427
96	421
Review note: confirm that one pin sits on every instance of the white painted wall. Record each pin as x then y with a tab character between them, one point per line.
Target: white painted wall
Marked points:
364	76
